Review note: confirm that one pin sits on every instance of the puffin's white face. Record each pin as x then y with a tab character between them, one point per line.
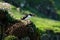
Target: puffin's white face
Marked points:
29	16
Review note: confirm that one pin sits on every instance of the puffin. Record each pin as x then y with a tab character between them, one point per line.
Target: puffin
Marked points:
27	16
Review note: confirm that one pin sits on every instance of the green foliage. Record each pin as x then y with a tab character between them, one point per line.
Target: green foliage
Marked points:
10	37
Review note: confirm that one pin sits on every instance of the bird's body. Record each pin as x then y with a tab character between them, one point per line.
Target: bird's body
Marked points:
27	16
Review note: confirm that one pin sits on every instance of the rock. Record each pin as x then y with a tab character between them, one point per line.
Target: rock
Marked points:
2	14
21	30
4	5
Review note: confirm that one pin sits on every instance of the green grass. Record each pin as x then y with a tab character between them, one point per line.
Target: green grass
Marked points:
44	24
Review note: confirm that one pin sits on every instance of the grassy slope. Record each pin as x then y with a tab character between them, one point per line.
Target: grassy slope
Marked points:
41	23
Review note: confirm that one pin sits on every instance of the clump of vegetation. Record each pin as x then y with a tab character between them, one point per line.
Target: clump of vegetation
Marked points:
10	37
